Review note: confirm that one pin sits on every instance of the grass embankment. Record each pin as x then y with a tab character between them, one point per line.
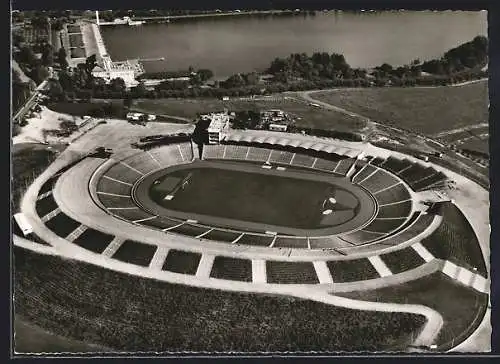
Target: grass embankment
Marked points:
424	110
131	313
305	115
462	307
28	162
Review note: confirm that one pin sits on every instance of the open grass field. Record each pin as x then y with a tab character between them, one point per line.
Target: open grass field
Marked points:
305	115
425	110
123	312
481	145
462	307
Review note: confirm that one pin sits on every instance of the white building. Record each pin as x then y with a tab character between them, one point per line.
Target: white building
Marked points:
110	70
218	128
277	127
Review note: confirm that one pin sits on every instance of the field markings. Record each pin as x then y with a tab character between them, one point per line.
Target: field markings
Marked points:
205	266
112	248
159	258
387	188
380	266
122	208
390	218
117	180
112	194
132	168
153	158
423	252
259	273
51	214
323	272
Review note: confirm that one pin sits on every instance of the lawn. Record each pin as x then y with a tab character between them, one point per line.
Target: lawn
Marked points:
425	110
28	162
462	308
84	302
309	116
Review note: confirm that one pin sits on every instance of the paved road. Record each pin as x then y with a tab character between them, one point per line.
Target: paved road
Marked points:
29	103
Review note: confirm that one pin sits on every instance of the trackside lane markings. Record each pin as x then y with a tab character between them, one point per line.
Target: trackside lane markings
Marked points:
122	208
205	266
380	266
117	180
259	271
322	272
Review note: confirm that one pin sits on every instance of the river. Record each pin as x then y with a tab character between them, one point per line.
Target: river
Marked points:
243	44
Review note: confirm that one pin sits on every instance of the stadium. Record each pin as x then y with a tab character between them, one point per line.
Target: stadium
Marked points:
264	242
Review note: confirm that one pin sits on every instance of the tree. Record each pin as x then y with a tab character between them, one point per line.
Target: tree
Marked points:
39	74
90	63
205	74
61	58
47	55
27	56
118	85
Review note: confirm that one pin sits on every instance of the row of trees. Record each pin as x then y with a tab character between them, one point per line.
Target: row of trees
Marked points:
466	57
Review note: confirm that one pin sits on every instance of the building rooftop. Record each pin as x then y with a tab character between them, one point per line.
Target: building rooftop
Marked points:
218	121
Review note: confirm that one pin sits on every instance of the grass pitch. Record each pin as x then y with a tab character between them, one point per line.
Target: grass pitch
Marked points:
249	196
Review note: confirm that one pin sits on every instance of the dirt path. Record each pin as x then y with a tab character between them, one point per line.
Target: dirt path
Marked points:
459	130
